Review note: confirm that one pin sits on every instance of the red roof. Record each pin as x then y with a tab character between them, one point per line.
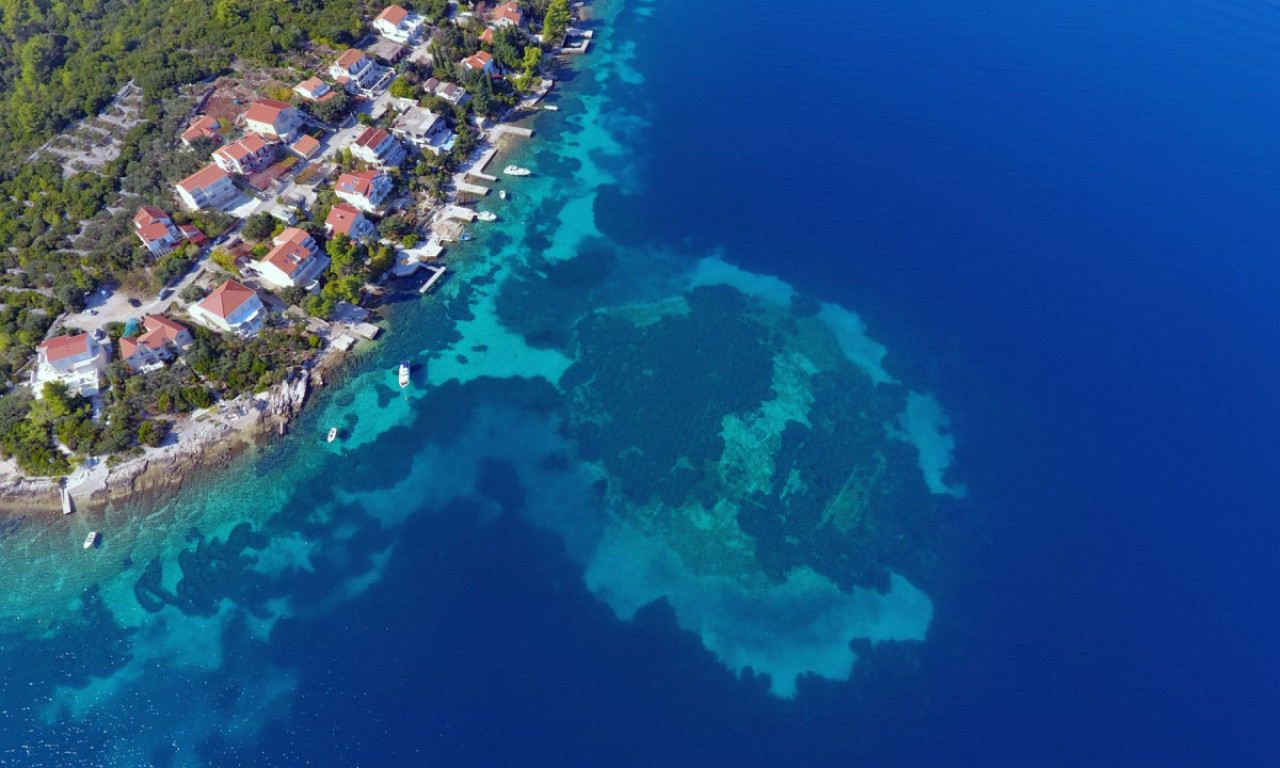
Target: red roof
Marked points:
227	298
510	12
392	13
342	217
203	126
128	345
266	111
203	178
161	328
371	138
487	36
359	183
291	250
239	150
61	347
478	60
350	58
151	224
305	145
310	85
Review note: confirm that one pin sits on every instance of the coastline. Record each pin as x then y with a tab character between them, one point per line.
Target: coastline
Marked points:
207	441
203	442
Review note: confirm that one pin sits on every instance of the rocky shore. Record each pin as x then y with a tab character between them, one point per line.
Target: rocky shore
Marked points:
204	441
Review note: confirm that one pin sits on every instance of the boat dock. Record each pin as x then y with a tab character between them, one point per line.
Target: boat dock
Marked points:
462	185
67	505
460	213
476	171
512	130
438	272
367	331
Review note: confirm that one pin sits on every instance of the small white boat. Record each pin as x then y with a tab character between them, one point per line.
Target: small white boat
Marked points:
551	107
486	216
333	434
464	238
515	170
91	540
404	373
502	193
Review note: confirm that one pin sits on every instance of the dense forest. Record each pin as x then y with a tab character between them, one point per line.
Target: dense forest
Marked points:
62	61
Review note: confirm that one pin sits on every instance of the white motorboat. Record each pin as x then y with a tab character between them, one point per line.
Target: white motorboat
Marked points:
486	216
502	193
404	373
91	540
515	170
551	107
333	434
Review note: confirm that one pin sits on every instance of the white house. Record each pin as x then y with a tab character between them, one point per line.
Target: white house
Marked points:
508	15
423	129
295	260
209	187
314	89
162	341
156	230
364	189
231	308
376	146
77	361
454	94
480	61
344	219
273	119
250	154
355	71
395	23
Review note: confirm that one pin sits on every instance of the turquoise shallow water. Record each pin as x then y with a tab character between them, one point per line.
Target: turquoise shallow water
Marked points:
687	434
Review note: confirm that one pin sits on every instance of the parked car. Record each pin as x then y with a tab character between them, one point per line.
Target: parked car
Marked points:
134	303
166	293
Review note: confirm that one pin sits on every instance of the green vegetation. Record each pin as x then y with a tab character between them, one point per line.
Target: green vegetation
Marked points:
555	21
60	63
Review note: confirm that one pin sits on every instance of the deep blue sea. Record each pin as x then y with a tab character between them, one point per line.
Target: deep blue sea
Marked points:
575	542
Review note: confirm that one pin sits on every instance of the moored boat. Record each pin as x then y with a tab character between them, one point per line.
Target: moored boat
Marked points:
333	434
91	540
486	216
502	193
515	170
551	107
404	373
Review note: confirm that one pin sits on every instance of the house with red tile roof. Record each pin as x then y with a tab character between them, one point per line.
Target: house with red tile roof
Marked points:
345	219
156	230
246	156
162	341
231	308
209	187
203	127
508	15
77	361
364	189
305	146
294	261
481	61
273	119
377	147
396	23
487	36
314	89
355	71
